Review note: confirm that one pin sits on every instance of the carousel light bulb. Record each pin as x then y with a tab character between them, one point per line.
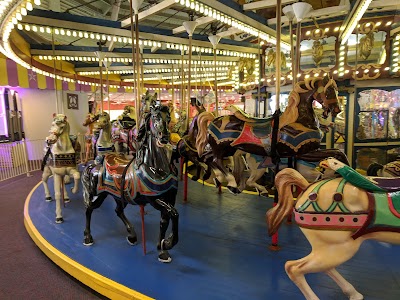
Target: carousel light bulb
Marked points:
27	27
37	2
23	11
18	16
34	28
29	6
19	26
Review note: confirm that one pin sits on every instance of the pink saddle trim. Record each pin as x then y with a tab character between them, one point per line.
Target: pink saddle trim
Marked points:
331	221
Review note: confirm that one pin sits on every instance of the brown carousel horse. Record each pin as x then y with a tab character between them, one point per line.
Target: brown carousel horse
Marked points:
291	134
336	216
391	169
89	124
148	178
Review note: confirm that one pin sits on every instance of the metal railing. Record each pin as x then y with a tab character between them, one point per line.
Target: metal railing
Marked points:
23	157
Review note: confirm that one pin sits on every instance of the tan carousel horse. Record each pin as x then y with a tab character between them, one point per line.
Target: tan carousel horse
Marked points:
336	216
60	159
89	124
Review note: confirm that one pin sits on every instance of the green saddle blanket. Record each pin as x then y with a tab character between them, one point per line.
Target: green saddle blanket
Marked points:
384	213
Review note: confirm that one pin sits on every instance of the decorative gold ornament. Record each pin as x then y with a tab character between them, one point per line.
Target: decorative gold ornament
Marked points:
271	57
317	52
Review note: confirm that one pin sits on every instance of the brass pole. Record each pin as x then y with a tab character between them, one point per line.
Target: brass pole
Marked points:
189	83
215	81
278	52
137	68
292	50
133	66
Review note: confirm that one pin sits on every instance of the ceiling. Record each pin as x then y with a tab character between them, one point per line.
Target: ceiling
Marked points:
161	21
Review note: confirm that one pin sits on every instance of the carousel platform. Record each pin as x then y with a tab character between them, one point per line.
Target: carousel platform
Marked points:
222	253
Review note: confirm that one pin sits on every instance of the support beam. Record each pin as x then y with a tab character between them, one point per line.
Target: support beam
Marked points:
229	32
125	33
114	17
151	11
200	21
329	12
264	4
239	16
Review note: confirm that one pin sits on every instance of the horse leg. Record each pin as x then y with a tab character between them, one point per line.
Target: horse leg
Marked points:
251	181
329	249
132	237
231	185
347	288
168	211
198	170
58	181
76	175
88	239
45	176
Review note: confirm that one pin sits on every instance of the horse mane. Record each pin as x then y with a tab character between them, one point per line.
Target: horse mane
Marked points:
202	122
291	113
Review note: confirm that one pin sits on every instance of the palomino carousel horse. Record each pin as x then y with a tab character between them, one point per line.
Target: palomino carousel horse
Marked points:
391	169
336	216
104	143
89	124
293	133
148	178
60	160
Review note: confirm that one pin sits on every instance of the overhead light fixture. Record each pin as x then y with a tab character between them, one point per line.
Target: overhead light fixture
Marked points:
355	17
301	10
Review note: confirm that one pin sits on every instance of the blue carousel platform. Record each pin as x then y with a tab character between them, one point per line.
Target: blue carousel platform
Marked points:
222	254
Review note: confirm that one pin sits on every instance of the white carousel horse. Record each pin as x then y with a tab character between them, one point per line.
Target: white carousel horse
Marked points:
336	216
61	160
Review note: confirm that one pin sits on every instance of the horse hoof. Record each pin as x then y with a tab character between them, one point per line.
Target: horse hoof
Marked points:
216	182
233	190
206	177
59	220
195	178
49	199
88	241
164	257
132	240
67	200
264	194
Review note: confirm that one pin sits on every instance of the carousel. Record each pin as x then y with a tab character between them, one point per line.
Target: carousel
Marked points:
197	149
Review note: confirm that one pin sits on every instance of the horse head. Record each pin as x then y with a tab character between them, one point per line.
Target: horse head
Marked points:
90	119
58	127
103	120
327	95
158	124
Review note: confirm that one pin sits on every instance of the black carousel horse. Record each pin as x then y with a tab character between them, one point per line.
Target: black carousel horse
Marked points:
295	132
148	178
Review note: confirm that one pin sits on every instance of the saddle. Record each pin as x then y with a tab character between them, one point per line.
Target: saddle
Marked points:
116	163
243	116
388	184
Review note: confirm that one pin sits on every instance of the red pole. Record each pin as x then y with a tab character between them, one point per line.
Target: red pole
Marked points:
185	184
181	166
274	243
143	229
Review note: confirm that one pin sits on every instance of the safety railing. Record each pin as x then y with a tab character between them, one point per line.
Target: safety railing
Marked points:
22	157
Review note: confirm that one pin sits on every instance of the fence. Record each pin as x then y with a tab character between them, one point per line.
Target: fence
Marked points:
23	157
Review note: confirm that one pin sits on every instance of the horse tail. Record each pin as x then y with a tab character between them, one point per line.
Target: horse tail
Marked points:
373	169
202	124
283	182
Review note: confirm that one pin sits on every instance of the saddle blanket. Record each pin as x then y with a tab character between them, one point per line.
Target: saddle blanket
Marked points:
384	213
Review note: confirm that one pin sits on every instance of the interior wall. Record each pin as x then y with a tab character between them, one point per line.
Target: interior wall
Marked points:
38	107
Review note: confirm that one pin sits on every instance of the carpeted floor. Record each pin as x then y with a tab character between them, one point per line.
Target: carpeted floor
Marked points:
26	273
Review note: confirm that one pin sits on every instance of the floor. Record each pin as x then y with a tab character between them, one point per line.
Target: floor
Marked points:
222	254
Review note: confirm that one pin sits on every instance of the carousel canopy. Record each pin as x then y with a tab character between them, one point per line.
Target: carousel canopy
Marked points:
71	39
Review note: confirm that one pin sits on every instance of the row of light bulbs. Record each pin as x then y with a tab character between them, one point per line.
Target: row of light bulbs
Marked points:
336	29
396	53
152	71
205	75
125	40
126	60
228	20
